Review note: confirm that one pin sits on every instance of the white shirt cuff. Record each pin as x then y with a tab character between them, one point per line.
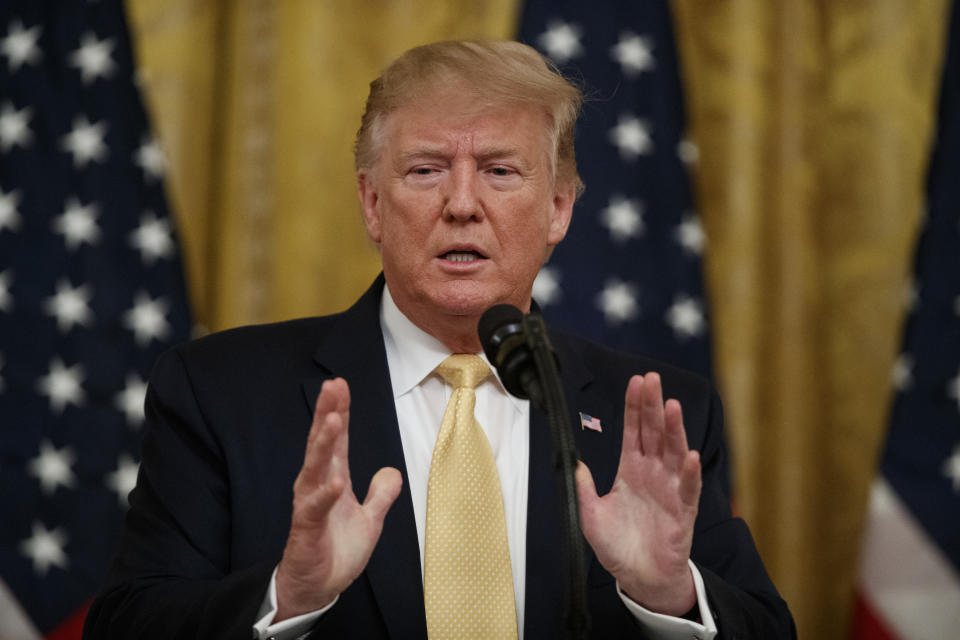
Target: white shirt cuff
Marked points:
662	627
289	629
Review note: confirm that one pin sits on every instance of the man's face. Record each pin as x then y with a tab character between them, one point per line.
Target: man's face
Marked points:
463	204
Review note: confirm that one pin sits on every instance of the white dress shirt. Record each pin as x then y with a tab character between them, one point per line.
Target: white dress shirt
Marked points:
421	398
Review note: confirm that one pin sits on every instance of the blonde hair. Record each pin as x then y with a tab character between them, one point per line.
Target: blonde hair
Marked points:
500	72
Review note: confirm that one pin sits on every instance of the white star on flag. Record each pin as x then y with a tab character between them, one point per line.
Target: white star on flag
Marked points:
93	58
546	286
951	469
69	305
9	216
62	385
20	45
910	295
902	374
631	137
953	389
561	41
618	301
45	548
153	238
6	300
147	319
149	157
52	467
85	141
124	479
685	317
688	151
690	235
14	129
632	52
623	217
78	224
130	400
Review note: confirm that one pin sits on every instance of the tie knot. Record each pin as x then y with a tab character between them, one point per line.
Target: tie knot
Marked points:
463	370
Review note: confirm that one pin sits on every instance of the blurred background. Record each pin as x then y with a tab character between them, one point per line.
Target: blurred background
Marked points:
759	177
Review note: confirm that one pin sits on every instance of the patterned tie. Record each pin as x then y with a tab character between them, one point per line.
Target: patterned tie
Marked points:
468	584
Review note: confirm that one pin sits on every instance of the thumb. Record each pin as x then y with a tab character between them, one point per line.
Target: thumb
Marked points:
586	496
384	489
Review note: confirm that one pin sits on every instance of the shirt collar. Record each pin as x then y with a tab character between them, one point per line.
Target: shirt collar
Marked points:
412	353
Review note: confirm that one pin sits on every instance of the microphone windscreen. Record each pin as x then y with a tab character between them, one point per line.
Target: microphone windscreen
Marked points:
496	324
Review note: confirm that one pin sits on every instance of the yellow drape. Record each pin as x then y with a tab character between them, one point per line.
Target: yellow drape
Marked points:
813	120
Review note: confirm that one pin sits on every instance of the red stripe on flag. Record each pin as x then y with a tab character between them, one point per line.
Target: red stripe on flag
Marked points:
867	625
72	627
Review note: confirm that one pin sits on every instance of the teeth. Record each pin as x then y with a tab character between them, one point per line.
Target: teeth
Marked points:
455	256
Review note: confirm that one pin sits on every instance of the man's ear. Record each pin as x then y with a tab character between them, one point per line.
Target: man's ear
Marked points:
562	212
369	199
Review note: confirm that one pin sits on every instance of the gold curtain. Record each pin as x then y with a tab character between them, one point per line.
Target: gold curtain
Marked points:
813	120
257	103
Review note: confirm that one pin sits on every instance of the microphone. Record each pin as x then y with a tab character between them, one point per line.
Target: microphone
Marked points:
504	338
519	348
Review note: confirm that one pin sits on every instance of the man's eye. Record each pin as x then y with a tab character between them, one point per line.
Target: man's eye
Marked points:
422	171
500	171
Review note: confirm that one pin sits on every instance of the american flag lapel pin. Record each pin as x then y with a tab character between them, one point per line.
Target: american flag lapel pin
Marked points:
589	422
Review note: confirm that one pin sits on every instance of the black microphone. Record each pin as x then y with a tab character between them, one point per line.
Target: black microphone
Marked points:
502	334
518	346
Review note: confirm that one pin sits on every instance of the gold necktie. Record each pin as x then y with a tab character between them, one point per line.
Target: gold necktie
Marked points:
468	584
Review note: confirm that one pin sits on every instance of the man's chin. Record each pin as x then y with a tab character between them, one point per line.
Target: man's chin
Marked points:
464	298
473	301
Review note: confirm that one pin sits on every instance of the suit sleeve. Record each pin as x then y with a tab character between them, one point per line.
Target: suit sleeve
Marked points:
172	576
742	598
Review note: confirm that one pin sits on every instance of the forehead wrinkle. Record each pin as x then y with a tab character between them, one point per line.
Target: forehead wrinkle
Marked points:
462	138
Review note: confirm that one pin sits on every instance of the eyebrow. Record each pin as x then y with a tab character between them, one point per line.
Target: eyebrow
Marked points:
485	155
423	152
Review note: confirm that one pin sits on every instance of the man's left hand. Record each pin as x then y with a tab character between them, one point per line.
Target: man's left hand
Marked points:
642	529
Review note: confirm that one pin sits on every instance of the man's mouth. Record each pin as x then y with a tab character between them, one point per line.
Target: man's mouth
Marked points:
463	256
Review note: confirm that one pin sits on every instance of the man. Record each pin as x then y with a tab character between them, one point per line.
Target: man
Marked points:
467	180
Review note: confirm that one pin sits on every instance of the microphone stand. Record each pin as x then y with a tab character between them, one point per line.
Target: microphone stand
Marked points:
552	400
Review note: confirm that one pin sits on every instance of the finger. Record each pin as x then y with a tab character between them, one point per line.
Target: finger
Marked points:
315	505
384	489
651	416
342	408
631	415
319	454
674	437
690	479
326	402
587	497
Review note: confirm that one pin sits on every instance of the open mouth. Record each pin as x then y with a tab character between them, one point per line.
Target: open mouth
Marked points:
463	256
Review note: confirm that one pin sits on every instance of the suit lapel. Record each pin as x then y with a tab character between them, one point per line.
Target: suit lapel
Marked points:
546	566
354	350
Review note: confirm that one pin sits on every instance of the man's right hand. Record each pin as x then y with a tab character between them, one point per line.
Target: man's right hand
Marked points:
331	534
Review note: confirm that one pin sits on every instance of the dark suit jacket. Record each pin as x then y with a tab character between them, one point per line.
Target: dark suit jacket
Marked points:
227	422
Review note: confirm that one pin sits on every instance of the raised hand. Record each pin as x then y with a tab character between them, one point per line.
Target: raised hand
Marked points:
331	534
642	529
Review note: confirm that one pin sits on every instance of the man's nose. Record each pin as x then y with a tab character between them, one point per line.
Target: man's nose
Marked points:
461	197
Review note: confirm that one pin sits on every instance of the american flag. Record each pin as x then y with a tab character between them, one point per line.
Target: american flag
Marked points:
629	272
910	569
90	292
589	422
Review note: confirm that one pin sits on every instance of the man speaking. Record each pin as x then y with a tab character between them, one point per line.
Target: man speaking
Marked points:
424	501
